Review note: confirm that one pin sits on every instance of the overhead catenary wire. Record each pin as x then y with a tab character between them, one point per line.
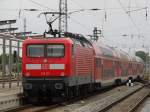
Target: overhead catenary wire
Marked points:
135	10
131	19
104	18
73	1
133	22
105	10
82	25
41	5
145	8
146	14
71	10
129	7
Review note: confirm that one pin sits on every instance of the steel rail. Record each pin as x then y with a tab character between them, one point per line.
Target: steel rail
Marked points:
133	107
139	102
45	108
18	108
119	100
111	102
106	103
26	108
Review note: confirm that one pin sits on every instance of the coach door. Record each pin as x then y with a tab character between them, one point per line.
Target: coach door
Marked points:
117	69
98	69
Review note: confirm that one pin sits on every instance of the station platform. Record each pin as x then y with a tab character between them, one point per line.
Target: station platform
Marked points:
7	90
10	97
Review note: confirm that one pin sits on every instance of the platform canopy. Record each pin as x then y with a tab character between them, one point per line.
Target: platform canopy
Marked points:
6	22
8	29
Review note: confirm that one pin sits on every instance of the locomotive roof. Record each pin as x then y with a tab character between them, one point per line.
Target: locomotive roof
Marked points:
68	37
49	40
78	36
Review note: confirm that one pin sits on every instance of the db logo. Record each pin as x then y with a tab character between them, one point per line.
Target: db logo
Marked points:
45	66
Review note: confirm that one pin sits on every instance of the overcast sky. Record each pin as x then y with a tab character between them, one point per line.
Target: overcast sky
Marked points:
117	23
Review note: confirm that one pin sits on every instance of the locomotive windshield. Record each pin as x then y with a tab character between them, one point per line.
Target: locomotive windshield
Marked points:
35	50
52	50
55	50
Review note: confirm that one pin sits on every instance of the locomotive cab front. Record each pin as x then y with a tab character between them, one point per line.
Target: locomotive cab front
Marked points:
46	66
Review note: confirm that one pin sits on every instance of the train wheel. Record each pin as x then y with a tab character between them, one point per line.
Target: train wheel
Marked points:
66	94
83	90
33	100
138	78
77	91
118	82
91	88
74	91
70	93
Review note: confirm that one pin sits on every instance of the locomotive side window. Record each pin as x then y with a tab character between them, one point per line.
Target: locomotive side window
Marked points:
35	50
55	50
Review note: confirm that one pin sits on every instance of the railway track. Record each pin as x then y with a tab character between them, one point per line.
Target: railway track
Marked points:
32	108
131	102
115	103
105	103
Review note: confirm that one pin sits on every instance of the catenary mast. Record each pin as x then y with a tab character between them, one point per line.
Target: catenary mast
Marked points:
63	25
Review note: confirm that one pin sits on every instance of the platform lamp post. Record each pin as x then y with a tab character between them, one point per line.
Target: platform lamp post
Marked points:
147	60
25	19
3	63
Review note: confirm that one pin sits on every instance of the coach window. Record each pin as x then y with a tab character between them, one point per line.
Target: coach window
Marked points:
55	50
35	50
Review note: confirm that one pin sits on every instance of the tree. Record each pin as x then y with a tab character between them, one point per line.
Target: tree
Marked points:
143	55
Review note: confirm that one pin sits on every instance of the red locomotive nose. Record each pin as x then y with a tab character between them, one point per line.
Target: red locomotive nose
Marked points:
48	58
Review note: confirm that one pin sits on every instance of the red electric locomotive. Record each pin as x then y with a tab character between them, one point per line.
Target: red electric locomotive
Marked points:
56	66
67	67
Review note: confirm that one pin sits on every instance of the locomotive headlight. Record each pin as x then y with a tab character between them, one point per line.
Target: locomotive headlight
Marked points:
59	85
62	74
27	74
